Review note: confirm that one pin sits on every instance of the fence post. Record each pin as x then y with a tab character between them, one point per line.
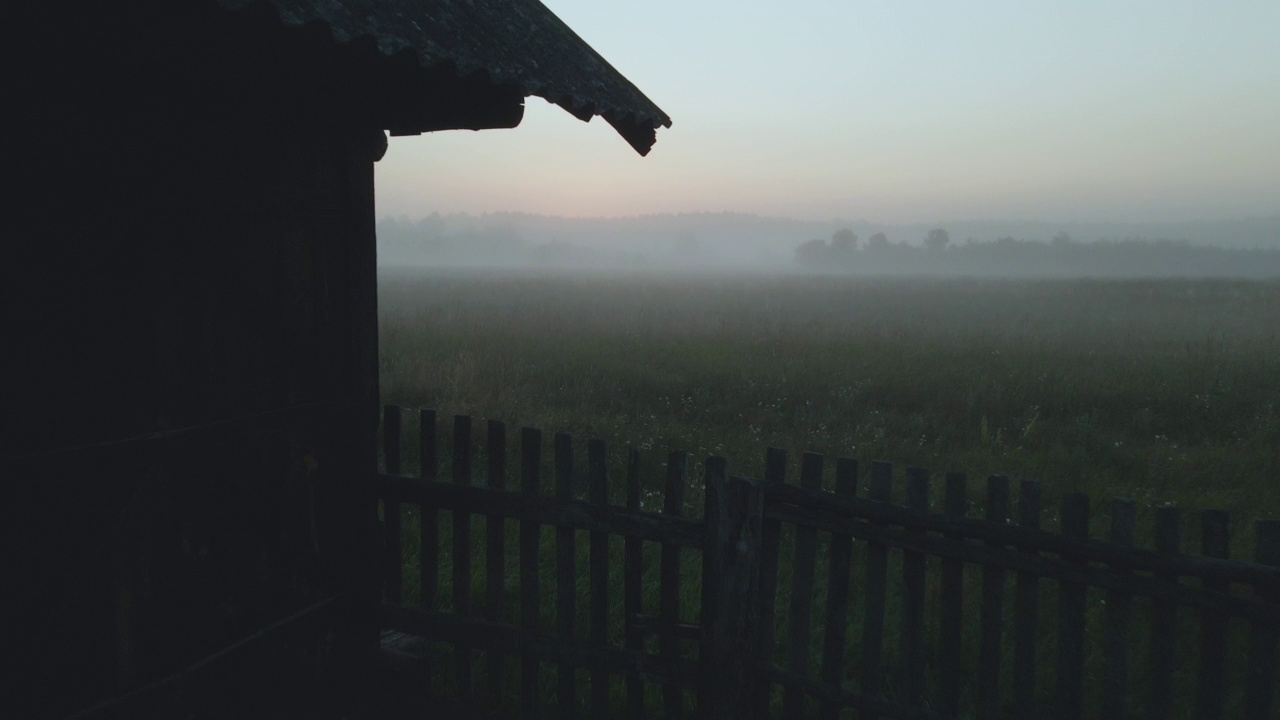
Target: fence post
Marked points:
731	626
1212	692
392	537
1164	617
1263	638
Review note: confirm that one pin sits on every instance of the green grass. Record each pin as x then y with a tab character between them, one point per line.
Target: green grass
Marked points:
1158	391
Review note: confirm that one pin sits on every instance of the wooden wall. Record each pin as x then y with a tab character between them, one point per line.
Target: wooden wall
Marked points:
192	392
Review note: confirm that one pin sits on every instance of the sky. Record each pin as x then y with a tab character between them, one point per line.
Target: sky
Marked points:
894	112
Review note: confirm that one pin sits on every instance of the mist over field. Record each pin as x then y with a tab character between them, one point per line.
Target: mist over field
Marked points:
1029	246
1159	390
729	242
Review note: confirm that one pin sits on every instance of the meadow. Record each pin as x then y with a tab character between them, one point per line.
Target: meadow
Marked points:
1158	391
1161	391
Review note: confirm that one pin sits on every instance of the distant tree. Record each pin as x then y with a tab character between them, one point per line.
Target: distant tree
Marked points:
844	241
1062	239
877	242
937	239
813	253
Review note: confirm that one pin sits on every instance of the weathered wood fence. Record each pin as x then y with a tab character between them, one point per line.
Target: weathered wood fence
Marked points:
787	599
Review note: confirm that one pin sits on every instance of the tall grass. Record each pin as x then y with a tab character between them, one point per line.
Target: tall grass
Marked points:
1160	391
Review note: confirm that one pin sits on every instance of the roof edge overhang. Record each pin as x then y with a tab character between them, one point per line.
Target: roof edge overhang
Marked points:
470	80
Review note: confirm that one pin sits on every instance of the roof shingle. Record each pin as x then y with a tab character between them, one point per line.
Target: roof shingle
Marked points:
514	41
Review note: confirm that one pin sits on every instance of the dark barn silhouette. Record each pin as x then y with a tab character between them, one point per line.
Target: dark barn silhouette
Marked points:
191	391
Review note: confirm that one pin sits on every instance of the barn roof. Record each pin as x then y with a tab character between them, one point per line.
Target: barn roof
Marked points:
517	42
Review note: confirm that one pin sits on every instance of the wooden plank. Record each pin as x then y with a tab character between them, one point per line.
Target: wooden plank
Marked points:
650	625
482	633
913	590
795	501
800	610
495	548
867	705
462	555
1164	619
841	564
950	651
875	584
1264	636
1071	609
1005	534
1115	652
734	536
429	517
1026	611
393	574
714	478
633	587
598	493
735	508
175	690
530	593
566	576
1215	542
428	525
991	613
577	514
1068	570
775	471
669	579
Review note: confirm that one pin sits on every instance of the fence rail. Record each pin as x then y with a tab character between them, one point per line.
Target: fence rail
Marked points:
767	598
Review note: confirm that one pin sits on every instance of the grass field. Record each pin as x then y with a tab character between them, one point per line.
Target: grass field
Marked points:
1157	391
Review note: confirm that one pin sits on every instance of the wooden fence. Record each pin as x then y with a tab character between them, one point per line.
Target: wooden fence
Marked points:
783	599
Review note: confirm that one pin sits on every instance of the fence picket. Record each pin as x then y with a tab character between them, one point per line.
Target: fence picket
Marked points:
462	553
950	660
992	610
428	525
775	469
598	560
740	577
1071	609
632	587
1264	636
428	517
495	547
1026	612
735	509
833	646
714	477
669	581
566	575
913	591
800	610
876	579
530	483
1215	542
1163	619
393	577
1115	672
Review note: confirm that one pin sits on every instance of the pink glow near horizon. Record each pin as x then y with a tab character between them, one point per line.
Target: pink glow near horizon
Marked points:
897	113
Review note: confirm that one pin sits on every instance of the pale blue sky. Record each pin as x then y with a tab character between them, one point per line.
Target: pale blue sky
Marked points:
893	112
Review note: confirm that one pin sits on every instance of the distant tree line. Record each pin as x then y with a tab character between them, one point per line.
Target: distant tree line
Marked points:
434	240
1062	256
